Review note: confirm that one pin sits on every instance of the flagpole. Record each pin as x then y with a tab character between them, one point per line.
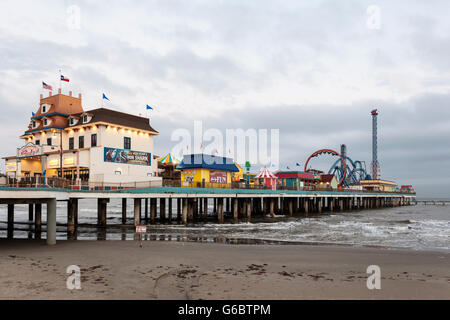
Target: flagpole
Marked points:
60	78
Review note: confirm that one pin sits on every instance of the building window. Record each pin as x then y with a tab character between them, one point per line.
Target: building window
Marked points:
71	121
44	108
81	142
34	124
49	141
45	122
71	143
127	143
118	172
85	118
93	140
38	142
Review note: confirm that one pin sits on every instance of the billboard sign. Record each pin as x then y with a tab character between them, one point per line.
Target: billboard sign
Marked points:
218	177
127	156
29	150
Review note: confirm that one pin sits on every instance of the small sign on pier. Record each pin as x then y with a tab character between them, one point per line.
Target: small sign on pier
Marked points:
141	230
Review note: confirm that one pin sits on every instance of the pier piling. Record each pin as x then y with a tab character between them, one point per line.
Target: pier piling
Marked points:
10	232
51	222
38	220
101	211
137	212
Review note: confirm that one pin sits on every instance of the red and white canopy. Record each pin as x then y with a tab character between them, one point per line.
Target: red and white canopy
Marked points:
265	174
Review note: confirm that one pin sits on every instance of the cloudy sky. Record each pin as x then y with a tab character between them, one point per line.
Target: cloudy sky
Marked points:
312	69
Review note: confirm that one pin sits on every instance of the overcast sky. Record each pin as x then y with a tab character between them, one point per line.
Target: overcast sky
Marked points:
313	69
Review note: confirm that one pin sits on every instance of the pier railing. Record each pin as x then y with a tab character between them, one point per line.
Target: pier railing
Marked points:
61	183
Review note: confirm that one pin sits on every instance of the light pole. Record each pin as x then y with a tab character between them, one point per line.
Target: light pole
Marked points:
60	174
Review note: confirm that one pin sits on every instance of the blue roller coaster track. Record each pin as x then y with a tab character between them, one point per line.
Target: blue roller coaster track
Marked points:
356	171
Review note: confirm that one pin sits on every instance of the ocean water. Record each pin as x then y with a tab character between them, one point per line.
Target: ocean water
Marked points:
420	227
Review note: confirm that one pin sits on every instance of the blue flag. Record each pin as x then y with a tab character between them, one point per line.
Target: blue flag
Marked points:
288	168
32	113
297	164
149	108
104	97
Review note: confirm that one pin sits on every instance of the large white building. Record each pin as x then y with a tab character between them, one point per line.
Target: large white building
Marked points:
97	146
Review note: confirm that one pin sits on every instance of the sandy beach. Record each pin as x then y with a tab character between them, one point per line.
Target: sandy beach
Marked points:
177	270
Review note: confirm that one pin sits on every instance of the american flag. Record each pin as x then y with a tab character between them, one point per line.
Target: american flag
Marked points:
46	86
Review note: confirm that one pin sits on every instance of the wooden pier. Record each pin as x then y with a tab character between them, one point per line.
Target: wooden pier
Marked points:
193	204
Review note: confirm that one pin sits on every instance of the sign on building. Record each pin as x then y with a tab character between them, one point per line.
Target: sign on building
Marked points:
218	177
29	150
127	156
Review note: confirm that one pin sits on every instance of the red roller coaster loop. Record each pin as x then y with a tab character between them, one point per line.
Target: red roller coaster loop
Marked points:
333	153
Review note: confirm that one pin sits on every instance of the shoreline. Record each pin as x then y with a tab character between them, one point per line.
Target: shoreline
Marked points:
192	270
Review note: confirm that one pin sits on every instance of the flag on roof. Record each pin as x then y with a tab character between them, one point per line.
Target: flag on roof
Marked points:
297	164
64	78
105	97
149	108
46	86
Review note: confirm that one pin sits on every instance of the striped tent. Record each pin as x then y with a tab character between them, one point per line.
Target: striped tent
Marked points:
168	160
265	174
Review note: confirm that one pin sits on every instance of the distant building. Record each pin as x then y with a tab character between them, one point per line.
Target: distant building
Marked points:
296	179
202	170
379	185
100	145
328	181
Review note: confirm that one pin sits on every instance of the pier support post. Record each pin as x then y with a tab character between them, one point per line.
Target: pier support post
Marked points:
178	209
153	204
146	209
227	205
249	209
195	208
71	213
124	210
185	210
306	206
220	209
331	204
51	222
205	209
319	205
162	209
272	207
10	232
265	210
30	212
101	211
170	209
235	209
137	212
291	206
190	209
37	220
215	205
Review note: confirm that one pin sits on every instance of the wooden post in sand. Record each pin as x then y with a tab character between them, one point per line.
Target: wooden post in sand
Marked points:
319	205
331	204
137	212
220	210
306	206
185	210
227	204
124	210
30	212
51	222
71	208
341	204
291	206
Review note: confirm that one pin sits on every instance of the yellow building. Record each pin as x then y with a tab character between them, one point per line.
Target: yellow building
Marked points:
238	176
379	185
201	170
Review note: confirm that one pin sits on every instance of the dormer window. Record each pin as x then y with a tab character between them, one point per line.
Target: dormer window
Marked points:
85	118
72	121
34	124
45	108
45	122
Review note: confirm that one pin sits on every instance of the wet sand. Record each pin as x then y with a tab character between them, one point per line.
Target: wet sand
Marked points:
177	270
